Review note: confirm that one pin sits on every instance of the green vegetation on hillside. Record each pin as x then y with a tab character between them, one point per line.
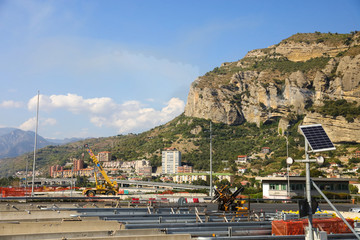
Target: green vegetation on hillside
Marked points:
285	66
331	39
340	107
191	137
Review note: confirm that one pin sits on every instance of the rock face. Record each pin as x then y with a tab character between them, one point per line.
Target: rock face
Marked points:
337	128
282	81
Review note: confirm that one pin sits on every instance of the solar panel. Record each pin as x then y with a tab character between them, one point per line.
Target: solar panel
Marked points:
317	138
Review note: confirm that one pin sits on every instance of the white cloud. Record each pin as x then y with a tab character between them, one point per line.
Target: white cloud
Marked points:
73	103
29	125
10	104
49	121
137	117
130	116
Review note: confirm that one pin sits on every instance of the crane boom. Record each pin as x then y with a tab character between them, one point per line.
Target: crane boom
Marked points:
110	187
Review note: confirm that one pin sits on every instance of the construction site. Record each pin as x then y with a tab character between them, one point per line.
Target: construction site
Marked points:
226	216
101	213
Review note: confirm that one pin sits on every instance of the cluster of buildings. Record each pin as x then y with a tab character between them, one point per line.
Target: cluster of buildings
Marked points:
76	167
172	169
170	165
281	185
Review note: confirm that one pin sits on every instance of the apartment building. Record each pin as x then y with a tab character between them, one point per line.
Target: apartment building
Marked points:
171	160
104	156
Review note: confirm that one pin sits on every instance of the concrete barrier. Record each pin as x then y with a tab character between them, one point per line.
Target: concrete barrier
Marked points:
35	214
57	227
145	237
82	235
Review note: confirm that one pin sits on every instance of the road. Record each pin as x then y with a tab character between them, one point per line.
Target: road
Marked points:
273	207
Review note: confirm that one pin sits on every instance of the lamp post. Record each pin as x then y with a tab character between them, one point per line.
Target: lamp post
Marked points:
211	187
35	144
319	160
288	166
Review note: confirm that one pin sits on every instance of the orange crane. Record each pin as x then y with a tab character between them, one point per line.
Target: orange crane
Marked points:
102	187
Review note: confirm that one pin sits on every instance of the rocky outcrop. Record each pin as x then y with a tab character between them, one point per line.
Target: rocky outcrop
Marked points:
303	51
212	104
338	129
258	87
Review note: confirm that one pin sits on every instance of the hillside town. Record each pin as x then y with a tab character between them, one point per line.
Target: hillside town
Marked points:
173	170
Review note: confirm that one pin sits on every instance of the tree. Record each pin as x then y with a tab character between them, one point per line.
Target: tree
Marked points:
223	183
200	182
82	181
313	173
353	189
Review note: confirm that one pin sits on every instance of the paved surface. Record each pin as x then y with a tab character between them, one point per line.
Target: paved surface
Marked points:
273	207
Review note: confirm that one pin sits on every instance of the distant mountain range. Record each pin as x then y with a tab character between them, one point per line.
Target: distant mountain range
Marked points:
15	142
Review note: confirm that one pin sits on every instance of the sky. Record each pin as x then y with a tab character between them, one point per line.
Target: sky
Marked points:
113	67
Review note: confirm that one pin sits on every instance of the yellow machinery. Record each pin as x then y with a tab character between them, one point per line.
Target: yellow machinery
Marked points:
102	186
227	200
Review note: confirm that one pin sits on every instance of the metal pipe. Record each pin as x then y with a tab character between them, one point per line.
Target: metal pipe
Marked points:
225	233
308	190
333	207
205	224
35	144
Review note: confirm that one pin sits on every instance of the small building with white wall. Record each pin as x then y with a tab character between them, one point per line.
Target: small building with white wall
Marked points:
277	187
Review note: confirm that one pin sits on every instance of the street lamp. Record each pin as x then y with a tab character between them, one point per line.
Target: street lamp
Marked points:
287	156
317	139
211	187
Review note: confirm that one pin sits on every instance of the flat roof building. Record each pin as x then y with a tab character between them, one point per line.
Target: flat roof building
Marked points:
277	187
171	160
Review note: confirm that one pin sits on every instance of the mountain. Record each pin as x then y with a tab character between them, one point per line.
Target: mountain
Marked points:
306	78
316	75
63	141
15	142
4	131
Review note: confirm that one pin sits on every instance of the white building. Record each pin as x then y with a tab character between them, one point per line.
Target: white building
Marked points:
277	187
191	177
171	160
242	159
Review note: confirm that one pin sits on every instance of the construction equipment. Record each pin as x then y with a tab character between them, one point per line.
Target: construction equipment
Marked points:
227	200
105	186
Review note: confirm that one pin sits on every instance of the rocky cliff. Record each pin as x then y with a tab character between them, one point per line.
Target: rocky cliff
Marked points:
294	77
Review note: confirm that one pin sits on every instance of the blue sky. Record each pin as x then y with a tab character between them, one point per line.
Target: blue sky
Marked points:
114	67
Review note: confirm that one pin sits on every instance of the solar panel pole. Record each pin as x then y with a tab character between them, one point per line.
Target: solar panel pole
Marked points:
308	190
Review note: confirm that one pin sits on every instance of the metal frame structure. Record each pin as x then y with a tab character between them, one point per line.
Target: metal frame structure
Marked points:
315	137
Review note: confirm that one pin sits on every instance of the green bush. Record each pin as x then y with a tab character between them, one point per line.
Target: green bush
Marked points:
340	108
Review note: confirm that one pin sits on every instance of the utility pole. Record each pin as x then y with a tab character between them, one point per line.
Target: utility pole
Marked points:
35	144
211	187
288	166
